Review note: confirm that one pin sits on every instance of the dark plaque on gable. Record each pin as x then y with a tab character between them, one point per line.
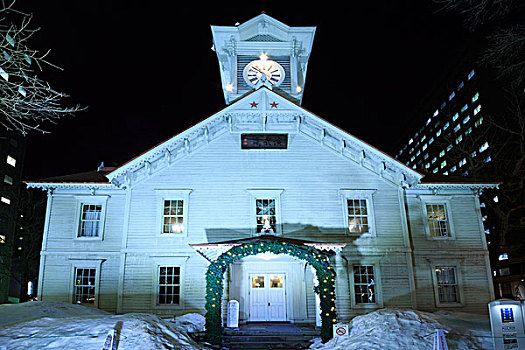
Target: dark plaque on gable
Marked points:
264	141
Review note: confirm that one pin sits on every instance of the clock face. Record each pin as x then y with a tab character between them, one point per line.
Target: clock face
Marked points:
261	71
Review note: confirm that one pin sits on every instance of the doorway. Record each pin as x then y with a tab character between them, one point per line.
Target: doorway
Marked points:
267	297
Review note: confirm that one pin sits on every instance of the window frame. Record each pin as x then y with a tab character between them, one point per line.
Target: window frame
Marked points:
85	264
90	200
377	279
274	194
366	195
438	200
172	194
457	264
170	261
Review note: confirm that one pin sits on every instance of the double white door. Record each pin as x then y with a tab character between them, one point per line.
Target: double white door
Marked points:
267	297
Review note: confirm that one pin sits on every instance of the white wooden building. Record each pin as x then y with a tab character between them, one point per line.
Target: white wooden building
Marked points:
139	237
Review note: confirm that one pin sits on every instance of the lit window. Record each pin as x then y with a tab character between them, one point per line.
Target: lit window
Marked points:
443	105
11	161
410	151
451	96
168	292
428	121
427	165
484	147
84	286
2	239
495	199
173	216
453	169
266	215
412	158
477	109
8	179
445	173
464	108
459	139
455	117
364	284
423	138
503	256
442	153
437	220
445	127
438	133
435	171
471	74
462	162
90	220
447	284
425	156
436	113
425	146
460	86
465	121
475	97
357	216
469	130
5	200
418	153
410	142
443	164
478	122
486	160
431	140
449	147
474	154
434	160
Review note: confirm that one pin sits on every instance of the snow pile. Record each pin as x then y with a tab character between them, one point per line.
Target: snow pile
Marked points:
190	322
10	313
409	329
88	329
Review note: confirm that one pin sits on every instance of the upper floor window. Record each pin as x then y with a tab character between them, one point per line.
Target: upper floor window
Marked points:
475	97
266	211
436	211
90	220
173	212
5	200
8	179
359	211
90	217
471	74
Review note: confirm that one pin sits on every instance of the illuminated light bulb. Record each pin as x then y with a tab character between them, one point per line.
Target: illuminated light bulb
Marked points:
298	89
263	57
229	87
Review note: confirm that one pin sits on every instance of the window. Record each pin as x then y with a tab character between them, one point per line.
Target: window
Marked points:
477	109
11	161
464	108
425	146
266	215
459	139
471	74
359	211
438	133
431	140
445	127
443	164
266	211
462	162
478	122
447	284
90	217
437	214
173	216
457	127
8	179
2	239
168	292
5	200
475	97
455	117
364	284
90	220
460	86
442	153
172	212
436	113
451	96
84	286
484	147
465	121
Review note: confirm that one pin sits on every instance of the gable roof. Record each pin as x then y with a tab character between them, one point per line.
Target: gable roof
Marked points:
260	111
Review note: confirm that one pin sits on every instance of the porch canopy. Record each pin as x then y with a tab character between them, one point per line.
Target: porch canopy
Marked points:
211	251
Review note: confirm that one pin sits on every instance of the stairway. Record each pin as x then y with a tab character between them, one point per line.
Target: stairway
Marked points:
269	336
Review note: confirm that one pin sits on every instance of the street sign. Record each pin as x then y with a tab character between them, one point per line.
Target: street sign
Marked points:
340	330
440	343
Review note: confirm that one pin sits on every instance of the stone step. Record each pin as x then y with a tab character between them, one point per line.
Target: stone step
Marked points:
268	340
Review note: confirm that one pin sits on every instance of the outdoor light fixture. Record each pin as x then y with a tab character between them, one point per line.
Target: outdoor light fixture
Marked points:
263	57
229	87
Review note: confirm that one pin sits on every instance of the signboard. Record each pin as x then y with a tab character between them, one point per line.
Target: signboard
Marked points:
340	330
506	321
233	314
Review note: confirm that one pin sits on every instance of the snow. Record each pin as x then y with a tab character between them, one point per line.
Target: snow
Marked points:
409	329
56	325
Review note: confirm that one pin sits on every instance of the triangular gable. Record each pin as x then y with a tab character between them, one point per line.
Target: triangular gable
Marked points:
262	111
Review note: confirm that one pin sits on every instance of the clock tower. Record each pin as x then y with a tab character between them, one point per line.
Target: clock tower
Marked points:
263	52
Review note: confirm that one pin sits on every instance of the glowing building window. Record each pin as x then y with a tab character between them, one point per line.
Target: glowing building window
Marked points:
462	162
460	86
364	284
447	284
431	140
173	216
438	133
357	216
455	117
442	153
8	179
168	288
484	147
477	109
453	169
443	164
424	147
437	220
451	96
84	287
465	121
445	127
5	200
2	239
459	139
266	215
436	113
475	97
471	74
449	147
435	170
464	108
503	256
478	122
434	160
11	161
456	129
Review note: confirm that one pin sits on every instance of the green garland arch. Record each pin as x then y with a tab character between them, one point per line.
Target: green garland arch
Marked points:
215	277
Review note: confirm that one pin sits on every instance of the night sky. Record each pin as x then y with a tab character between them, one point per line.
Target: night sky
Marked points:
146	71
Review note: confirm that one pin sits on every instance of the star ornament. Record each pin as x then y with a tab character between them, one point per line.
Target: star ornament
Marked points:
274	104
253	104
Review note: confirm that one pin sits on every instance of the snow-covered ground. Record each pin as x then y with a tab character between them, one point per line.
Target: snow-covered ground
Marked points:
55	325
414	330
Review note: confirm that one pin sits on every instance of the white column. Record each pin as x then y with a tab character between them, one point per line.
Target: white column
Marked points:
342	290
